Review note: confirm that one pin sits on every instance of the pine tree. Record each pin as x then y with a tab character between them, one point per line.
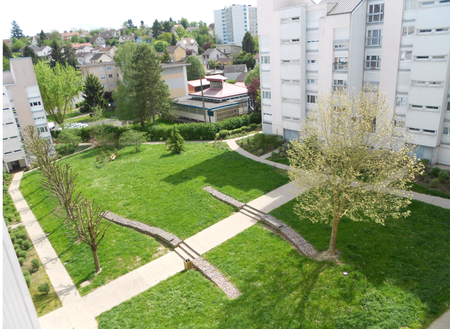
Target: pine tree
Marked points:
28	52
69	56
174	40
248	43
167	27
166	57
7	51
56	55
16	32
156	29
42	38
93	93
175	143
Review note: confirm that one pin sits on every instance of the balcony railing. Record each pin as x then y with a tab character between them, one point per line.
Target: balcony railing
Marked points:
373	42
340	66
337	87
341	44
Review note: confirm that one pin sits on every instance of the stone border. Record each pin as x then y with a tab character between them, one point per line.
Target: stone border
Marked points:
156	232
213	274
224	198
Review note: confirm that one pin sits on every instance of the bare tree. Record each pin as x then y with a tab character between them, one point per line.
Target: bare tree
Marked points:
351	155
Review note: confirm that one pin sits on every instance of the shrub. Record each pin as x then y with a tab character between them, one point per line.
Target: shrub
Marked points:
13	237
23	254
427	179
442	176
259	125
26	273
28	281
253	125
44	288
26	245
435	171
133	137
260	152
280	149
21	260
223	133
22	234
70	136
65	149
274	154
217	136
245	128
35	263
16	246
175	143
237	131
434	182
18	241
425	161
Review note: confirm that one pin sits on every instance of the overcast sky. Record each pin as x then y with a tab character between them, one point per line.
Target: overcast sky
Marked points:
34	15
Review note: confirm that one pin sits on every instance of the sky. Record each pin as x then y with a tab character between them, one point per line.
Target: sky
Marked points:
34	16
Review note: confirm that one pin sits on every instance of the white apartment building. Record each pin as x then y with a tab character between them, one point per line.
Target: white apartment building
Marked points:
22	106
400	46
232	22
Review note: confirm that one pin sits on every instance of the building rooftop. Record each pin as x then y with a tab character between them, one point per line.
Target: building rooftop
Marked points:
228	91
342	6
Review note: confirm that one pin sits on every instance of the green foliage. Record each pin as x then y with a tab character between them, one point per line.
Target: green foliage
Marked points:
64	149
232	81
93	93
183	21
28	52
5	64
35	263
254	73
133	137
27	278
435	171
22	254
167	37
166	57
223	133
16	246
26	245
260	144
434	182
442	176
244	58
17	45
160	45
44	288
69	136
212	64
25	273
156	29
7	51
173	41
248	43
18	241
175	143
196	70
16	32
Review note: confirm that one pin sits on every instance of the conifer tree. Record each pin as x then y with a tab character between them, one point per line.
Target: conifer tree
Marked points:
174	40
28	52
248	44
42	38
56	55
175	143
93	93
16	32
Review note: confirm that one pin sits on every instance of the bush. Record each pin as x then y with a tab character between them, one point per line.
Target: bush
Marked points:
23	254
217	136
425	161
435	171
16	246
35	263
18	241
28	281
13	237
223	133
65	149
133	137
245	128
44	288
260	152
21	260
427	179
22	234
434	182
26	273
26	245
70	136
175	143
442	176
253	125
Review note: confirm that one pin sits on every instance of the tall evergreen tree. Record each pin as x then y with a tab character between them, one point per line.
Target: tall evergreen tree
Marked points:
28	52
56	55
156	29
42	38
167	26
248	43
142	93
174	40
93	93
16	32
7	51
69	55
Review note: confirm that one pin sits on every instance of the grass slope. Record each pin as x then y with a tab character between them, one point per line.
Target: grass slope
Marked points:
281	289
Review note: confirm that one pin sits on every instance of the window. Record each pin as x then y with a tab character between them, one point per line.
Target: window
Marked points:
110	76
12	137
406	55
103	77
424	31
42	129
313	41
408	31
414	129
101	68
311	99
112	84
105	85
410	5
15	151
108	68
374	38
421	58
429	131
376	13
340	63
337	84
266	94
117	74
401	101
265	59
312	81
35	103
9	123
373	62
441	30
311	61
446	131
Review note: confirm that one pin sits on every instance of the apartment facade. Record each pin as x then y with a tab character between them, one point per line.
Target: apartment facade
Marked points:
232	22
402	47
22	106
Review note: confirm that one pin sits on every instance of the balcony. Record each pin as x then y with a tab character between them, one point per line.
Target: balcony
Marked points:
339	86
340	44
373	42
340	67
375	18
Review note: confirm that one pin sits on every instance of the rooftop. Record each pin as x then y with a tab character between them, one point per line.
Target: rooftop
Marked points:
342	6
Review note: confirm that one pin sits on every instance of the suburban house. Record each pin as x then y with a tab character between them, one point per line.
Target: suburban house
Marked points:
111	51
22	107
96	50
101	57
97	40
84	34
43	52
241	77
82	47
174	74
233	71
212	53
229	49
196	85
68	35
223	62
106	35
191	28
84	58
189	44
222	101
125	38
33	41
8	42
176	53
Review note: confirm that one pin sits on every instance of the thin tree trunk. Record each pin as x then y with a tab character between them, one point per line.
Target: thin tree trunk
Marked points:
332	248
96	261
154	118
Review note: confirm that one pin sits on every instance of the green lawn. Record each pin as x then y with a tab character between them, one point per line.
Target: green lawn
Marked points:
426	190
153	187
282	289
284	161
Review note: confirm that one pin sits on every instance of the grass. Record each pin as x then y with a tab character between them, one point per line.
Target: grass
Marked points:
10	213
69	115
281	289
153	187
284	161
429	191
260	144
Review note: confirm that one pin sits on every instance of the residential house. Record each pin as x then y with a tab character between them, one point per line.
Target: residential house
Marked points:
176	53
22	107
222	101
97	40
126	38
224	61
33	41
192	28
66	36
84	58
189	44
96	50
241	77
399	47
233	71
232	22
82	47
229	49
107	34
212	53
84	34
111	51
8	42
101	57
43	52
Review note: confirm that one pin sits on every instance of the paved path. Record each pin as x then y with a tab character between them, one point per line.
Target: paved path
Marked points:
80	312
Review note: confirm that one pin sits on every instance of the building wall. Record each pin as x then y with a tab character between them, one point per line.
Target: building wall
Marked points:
176	79
107	72
232	22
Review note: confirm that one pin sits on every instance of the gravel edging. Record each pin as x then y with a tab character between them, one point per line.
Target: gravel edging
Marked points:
156	232
224	198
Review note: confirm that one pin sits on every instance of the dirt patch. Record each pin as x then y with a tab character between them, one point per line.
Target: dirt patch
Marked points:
323	255
161	252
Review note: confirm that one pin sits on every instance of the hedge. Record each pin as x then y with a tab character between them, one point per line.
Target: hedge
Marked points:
189	131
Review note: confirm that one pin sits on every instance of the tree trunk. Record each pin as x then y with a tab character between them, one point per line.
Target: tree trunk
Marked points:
142	123
154	118
332	248
96	261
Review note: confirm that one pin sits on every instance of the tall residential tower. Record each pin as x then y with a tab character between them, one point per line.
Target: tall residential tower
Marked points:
232	22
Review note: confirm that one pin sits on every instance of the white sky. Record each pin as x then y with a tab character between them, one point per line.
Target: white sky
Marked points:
34	15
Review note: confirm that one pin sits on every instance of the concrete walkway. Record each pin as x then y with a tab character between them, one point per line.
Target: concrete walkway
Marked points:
80	312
